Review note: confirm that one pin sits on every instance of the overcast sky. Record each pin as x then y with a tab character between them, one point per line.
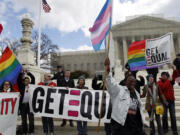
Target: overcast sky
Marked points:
69	20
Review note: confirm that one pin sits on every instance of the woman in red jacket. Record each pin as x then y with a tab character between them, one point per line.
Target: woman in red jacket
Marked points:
166	88
46	121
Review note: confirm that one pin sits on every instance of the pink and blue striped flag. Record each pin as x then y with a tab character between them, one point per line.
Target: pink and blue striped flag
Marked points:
102	25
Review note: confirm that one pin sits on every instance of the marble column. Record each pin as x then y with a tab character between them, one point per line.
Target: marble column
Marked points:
117	59
125	50
178	44
173	52
116	49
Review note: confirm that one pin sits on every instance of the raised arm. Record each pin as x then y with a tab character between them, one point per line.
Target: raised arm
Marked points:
112	86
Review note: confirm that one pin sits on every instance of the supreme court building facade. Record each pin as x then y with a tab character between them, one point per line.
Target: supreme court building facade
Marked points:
141	28
138	28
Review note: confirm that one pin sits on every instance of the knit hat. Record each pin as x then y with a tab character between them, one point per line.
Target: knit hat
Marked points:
81	77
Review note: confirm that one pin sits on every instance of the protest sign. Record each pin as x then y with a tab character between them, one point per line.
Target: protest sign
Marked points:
158	50
69	103
9	103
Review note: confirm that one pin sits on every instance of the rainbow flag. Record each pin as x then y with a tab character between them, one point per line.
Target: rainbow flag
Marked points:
102	25
9	68
136	55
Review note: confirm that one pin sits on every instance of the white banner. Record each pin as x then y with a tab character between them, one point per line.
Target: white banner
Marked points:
158	50
69	103
9	103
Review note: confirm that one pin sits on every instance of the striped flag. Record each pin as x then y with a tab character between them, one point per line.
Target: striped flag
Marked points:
101	26
46	7
9	68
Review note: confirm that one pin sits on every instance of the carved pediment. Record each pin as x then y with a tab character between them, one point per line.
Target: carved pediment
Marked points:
146	22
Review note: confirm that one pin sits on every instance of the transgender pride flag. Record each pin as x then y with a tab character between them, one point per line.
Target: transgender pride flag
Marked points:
101	26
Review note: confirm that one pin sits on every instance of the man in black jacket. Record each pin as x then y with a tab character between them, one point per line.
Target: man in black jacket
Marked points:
99	86
67	82
139	83
25	78
59	75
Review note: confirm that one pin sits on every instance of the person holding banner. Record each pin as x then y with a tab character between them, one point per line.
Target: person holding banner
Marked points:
46	121
59	75
153	98
127	114
6	87
23	83
139	82
81	125
69	83
166	86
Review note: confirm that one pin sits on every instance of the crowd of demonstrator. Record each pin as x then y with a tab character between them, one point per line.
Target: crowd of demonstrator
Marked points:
127	110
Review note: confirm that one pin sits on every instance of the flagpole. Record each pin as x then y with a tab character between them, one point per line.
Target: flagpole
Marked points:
39	34
105	76
104	84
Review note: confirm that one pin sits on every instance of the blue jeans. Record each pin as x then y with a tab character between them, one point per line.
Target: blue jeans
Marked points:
82	127
158	120
172	112
48	124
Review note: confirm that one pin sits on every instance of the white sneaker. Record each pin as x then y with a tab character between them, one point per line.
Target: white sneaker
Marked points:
31	133
52	134
45	133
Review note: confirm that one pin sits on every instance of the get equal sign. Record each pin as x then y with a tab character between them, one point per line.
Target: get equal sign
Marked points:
74	103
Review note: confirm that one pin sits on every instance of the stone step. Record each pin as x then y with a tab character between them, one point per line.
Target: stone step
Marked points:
177	103
177	97
177	117
177	109
57	123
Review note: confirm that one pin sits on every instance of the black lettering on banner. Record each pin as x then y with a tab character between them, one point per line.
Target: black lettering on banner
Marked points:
49	100
97	105
87	114
39	101
63	92
158	57
157	50
164	56
153	59
109	110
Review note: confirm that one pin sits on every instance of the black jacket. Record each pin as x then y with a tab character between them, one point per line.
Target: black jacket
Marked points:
58	76
69	84
152	71
97	86
22	86
139	83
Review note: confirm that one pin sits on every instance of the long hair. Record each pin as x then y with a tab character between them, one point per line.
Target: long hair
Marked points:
2	86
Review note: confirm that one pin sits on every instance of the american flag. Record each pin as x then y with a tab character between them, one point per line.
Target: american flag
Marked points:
46	7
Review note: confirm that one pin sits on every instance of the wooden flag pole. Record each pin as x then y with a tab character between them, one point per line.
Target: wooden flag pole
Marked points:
104	86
